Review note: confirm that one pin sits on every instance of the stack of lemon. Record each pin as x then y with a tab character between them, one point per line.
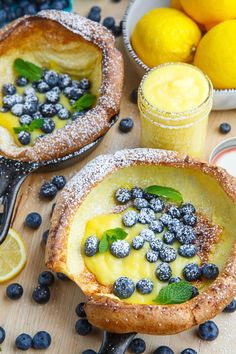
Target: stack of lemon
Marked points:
192	31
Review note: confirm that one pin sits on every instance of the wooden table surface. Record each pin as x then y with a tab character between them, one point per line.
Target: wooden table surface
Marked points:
58	316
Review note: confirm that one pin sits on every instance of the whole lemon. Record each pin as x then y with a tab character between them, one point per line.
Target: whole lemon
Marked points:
176	4
216	55
210	11
165	35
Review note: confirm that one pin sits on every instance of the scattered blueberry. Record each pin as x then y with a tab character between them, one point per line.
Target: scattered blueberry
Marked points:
123	288
94	16
23	342
14	291
191	272
84	84
210	271
21	81
17	109
130	218
147	235
174	212
190	219
140	203
91	246
48	190
208	331
109	22
225	128
33	220
59	182
41	294
152	256
134	96
46	278
156	205
126	125
43	87
24	138
123	195
137	346
146	216
48	126
45	236
48	110
77	115
175	226
41	340
63	114
168	238
8	89
156	226
163	272
117	30
64	81
167	254
144	286
174	280
163	350
51	77
62	277
156	245
231	307
2	335
195	292
137	192
187	208
80	310
185	235
138	242
187	251
83	327
189	351
25	119
52	96
120	249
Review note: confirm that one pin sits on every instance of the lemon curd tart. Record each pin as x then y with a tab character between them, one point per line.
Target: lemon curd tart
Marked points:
148	235
174	101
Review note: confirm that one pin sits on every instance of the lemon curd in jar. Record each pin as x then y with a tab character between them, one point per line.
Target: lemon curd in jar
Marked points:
175	100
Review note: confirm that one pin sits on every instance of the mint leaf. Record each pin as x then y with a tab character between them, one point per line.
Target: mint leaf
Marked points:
84	102
36	124
22	128
175	293
165	192
103	244
29	70
116	234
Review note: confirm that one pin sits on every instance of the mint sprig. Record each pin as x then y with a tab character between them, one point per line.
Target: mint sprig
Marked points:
165	192
109	236
84	102
35	124
27	69
175	293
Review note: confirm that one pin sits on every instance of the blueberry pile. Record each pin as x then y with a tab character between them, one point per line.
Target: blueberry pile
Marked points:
12	9
109	22
82	326
30	101
49	190
41	340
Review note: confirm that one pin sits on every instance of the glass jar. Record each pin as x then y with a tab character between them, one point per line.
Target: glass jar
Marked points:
183	132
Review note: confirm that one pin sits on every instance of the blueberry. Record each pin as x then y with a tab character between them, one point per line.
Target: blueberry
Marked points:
80	310
174	212
41	294
126	125
23	342
163	272
91	246
62	277
140	203
41	340
84	84
188	351
48	110
137	192
58	106
96	9
42	87
63	114
190	219
231	307
144	286
117	30
208	331
46	278
29	91
152	256
225	128
77	115
120	249
137	346
156	245
147	235
14	291
89	351
31	9
123	288
195	292
167	254
187	208
48	190
168	238
24	138
8	89
21	81
51	78
76	84
48	126
94	16
73	93
64	81
45	236
83	327
52	96
25	119
146	216
17	109
33	220
122	195
187	251
156	226
130	218
37	115
165	219
186	235
109	22
163	350
210	271
138	242
11	15
59	182
134	96
58	5
45	5
175	225
174	280
3	16
191	272
2	335
156	205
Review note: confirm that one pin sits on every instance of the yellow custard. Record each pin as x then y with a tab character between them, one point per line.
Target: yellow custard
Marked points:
175	100
107	268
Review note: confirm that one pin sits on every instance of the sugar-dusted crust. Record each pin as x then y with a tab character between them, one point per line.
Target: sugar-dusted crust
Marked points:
44	36
103	309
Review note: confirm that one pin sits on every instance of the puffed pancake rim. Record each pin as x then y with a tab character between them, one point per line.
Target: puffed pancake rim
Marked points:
77	46
91	192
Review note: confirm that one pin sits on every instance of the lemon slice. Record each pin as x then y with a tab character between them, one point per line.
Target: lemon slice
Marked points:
13	256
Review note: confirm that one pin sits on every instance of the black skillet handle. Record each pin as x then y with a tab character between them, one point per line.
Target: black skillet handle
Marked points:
115	343
12	175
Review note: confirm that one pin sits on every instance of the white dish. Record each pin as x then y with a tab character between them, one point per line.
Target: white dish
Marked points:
223	99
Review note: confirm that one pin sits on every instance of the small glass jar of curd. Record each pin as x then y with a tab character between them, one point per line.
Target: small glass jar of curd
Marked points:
175	100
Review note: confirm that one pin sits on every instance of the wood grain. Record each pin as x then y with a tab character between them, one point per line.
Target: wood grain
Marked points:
58	316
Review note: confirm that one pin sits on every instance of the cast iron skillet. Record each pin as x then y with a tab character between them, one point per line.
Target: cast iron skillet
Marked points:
12	175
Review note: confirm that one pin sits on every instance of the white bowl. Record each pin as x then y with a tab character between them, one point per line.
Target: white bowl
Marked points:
223	99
